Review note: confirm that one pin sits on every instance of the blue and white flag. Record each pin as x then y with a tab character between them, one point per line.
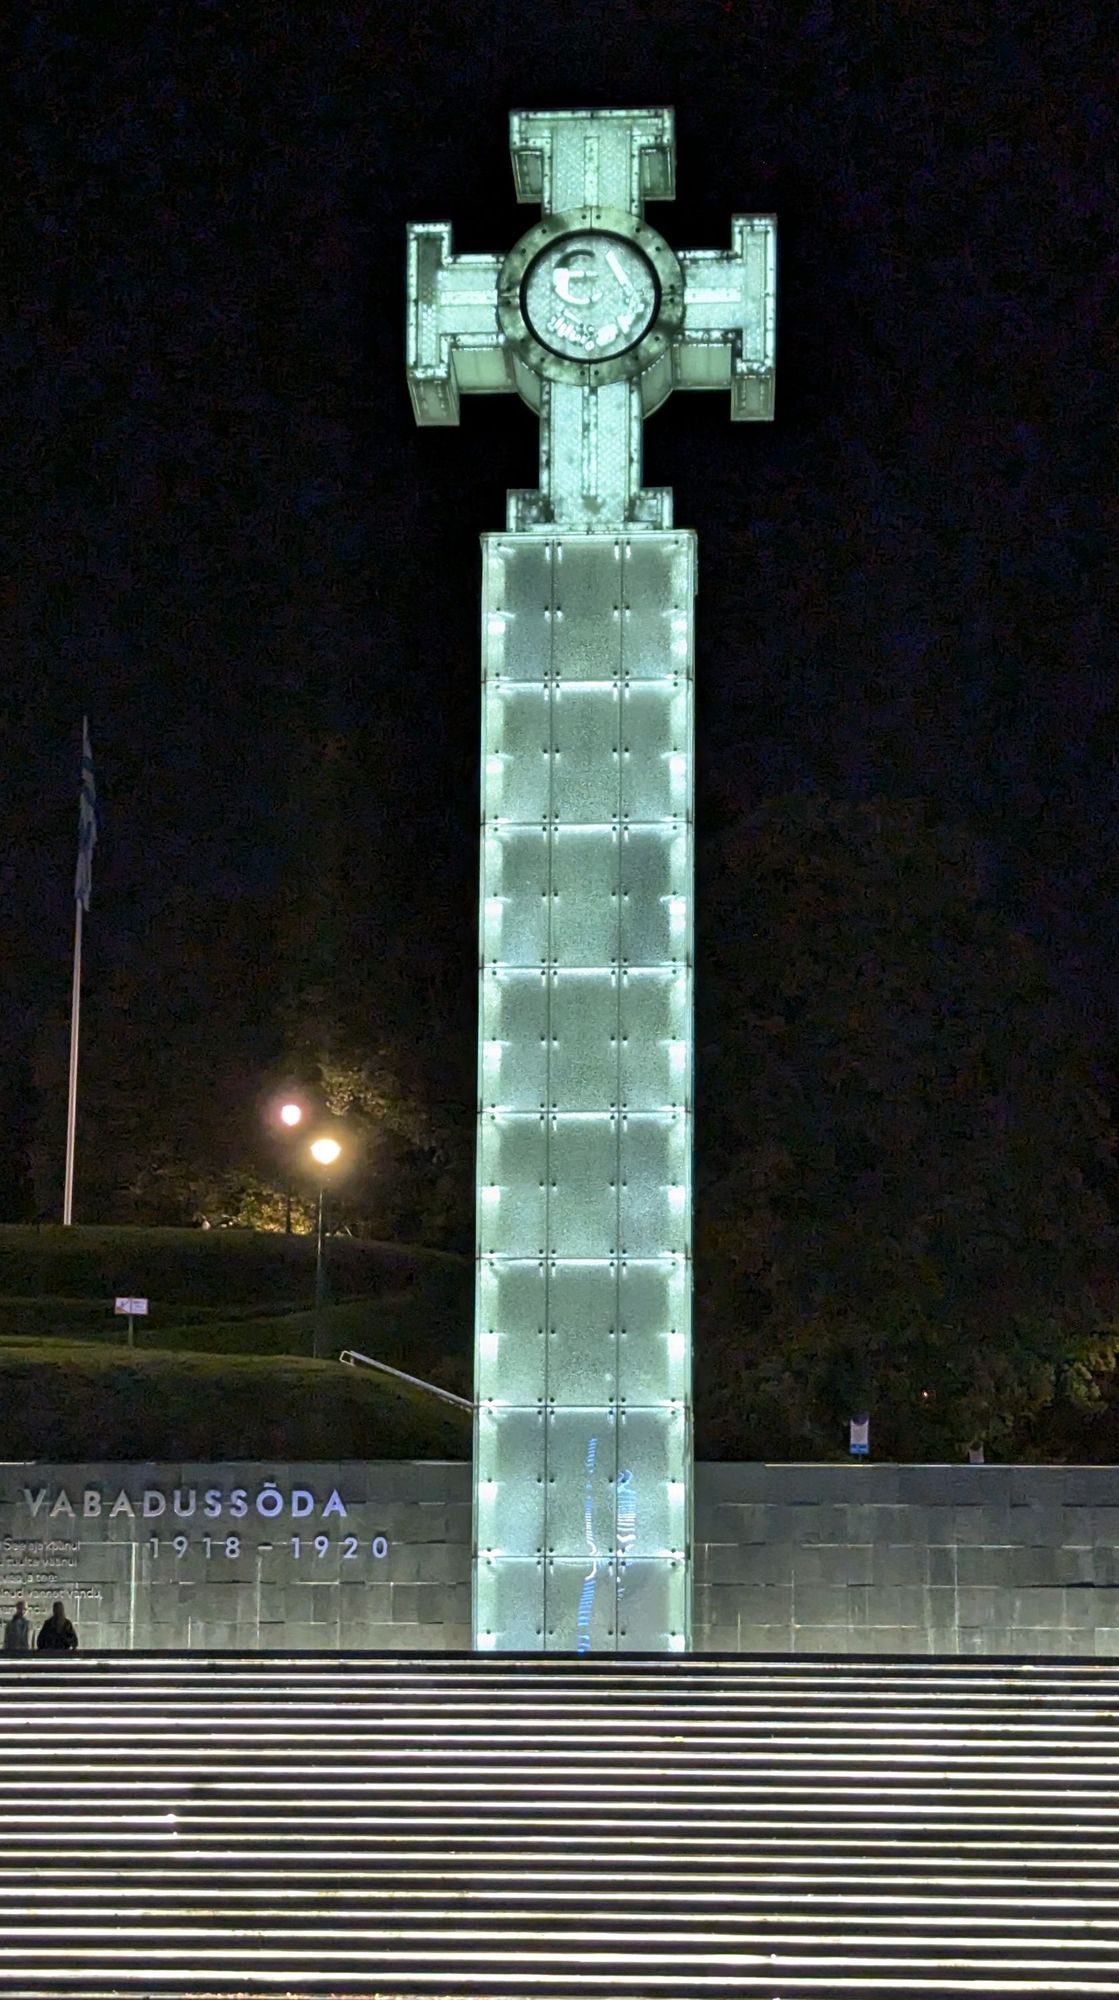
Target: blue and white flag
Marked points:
87	824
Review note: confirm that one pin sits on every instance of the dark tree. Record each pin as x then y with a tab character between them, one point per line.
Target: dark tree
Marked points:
904	1159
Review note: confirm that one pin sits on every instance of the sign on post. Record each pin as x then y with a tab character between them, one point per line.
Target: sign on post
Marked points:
131	1308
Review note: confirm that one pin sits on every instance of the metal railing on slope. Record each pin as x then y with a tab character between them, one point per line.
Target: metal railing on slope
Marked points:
351	1356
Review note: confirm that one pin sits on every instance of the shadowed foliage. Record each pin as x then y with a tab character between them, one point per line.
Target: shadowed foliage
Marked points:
904	1159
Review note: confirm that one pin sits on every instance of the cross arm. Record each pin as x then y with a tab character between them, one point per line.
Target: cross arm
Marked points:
455	344
608	159
728	338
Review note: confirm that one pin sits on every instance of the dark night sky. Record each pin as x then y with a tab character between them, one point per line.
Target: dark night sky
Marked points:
226	537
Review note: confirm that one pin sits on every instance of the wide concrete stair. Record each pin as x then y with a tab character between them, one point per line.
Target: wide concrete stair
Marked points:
516	1827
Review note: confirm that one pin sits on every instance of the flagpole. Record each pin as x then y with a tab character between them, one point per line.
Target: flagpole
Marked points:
87	840
72	1099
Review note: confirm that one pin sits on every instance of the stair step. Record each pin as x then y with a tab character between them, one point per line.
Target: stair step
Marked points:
198	1828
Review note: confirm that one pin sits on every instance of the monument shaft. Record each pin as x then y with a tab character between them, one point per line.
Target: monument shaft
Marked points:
583	1334
583	1353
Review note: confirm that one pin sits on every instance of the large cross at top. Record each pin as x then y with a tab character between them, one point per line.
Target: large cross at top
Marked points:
592	318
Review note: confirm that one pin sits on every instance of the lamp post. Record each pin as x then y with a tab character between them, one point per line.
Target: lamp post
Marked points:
324	1152
291	1115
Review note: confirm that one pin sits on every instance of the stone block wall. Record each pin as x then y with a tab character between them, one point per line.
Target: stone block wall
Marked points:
856	1559
243	1556
867	1558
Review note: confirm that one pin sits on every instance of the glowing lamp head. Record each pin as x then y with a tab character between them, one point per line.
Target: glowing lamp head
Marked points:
291	1115
325	1151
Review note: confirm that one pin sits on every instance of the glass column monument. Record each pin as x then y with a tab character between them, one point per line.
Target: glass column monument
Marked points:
582	1450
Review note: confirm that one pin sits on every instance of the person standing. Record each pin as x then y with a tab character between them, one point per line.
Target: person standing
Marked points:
56	1634
17	1631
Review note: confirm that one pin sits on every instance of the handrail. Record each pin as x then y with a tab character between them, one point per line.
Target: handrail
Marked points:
350	1356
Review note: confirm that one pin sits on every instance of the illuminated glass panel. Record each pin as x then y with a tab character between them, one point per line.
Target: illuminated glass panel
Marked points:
583	1351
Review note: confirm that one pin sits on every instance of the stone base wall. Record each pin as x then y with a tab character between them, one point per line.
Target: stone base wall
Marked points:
868	1558
855	1559
243	1556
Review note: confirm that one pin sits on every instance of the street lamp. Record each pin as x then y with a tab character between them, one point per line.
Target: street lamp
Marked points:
324	1152
291	1115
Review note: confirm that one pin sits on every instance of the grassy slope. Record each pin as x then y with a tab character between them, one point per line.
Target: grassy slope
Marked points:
65	1401
202	1267
222	1366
